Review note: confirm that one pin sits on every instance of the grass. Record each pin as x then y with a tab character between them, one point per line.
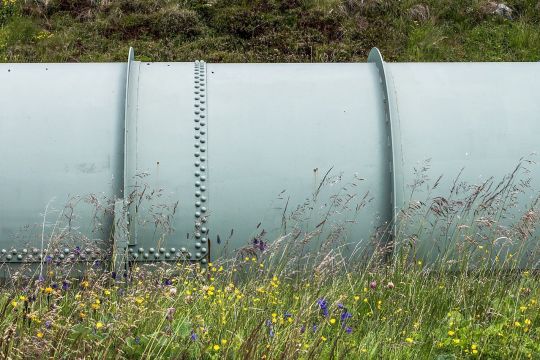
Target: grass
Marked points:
252	309
267	30
274	300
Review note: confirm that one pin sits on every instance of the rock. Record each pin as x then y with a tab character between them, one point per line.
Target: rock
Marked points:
419	13
499	9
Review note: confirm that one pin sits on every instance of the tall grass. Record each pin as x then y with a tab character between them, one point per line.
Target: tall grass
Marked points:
463	294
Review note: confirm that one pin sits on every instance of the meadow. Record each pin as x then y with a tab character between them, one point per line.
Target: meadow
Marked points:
274	299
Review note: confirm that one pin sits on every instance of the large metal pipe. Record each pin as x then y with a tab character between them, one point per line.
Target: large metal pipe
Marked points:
187	152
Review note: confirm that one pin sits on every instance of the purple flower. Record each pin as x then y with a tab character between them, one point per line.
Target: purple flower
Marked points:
48	258
373	285
193	336
48	324
113	275
54	286
259	244
167	282
348	330
323	304
314	328
137	340
287	315
303	329
65	285
345	315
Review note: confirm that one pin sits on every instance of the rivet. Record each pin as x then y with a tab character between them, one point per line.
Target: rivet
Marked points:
130	250
188	255
203	123
167	255
203	261
197	183
203	209
35	251
197	245
4	251
197	235
203	149
19	257
203	141
197	194
196	145
135	255
197	112
8	257
197	154
197	105
14	251
173	250
197	214
203	198
151	250
203	188
25	251
141	250
62	256
203	168
162	250
146	255
203	132
204	219
197	203
183	249
197	255
197	163
196	120
202	116
203	230
157	255
66	251
203	178
197	128
203	250
197	136
204	240
197	173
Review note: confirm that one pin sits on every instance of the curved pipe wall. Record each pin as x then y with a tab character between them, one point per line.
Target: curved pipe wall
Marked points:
187	152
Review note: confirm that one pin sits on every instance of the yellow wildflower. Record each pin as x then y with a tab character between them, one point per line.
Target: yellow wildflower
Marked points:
451	333
99	325
48	290
216	347
409	340
223	342
332	321
39	334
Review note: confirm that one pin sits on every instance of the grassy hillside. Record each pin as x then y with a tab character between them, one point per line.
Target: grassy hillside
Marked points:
269	30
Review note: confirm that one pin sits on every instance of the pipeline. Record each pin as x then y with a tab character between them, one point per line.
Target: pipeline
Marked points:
178	156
